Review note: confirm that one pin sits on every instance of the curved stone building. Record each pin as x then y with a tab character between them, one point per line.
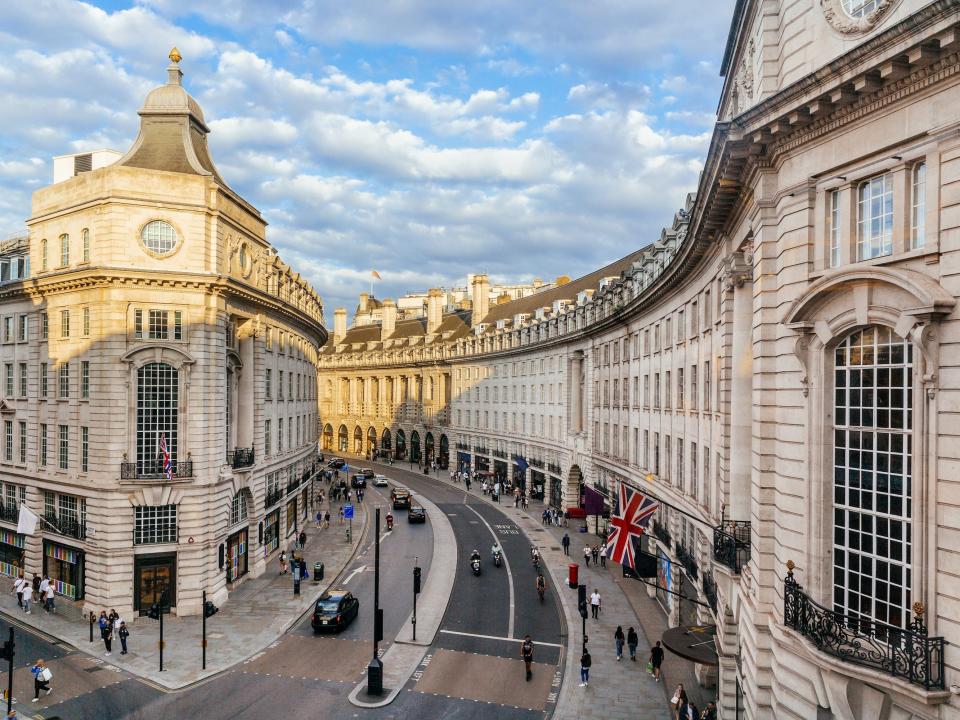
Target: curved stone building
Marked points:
777	368
156	320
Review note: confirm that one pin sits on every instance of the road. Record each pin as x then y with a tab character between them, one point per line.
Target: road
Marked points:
471	671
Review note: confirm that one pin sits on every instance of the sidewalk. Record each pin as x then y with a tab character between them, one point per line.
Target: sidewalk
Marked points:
257	613
618	690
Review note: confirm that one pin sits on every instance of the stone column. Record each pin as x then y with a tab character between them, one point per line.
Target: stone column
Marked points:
739	281
576	392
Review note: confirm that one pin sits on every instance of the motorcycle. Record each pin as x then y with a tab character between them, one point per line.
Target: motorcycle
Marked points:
475	565
389	522
497	558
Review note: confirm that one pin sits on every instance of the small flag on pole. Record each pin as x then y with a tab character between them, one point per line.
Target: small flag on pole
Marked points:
374	274
165	456
27	521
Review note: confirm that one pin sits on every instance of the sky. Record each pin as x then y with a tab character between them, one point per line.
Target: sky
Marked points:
425	139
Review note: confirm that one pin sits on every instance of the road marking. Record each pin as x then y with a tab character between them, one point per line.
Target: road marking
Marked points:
495	637
506	564
351	575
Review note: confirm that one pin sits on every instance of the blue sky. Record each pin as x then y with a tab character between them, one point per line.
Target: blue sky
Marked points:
424	138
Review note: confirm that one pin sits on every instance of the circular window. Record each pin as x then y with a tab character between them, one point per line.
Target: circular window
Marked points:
159	237
860	8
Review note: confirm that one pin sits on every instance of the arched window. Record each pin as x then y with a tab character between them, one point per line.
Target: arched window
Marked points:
85	238
158	407
872	485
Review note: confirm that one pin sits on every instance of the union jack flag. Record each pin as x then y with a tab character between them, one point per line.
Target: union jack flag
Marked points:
628	521
165	455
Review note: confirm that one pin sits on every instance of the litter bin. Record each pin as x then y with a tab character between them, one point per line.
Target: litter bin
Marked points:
317	572
573	574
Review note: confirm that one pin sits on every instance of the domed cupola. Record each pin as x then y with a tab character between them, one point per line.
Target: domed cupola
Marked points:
173	134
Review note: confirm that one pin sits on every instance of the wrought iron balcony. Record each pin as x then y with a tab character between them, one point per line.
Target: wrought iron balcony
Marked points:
67	526
462	446
554	468
688	561
10	512
661	533
710	591
731	544
273	496
907	653
500	454
241	458
480	449
153	470
536	463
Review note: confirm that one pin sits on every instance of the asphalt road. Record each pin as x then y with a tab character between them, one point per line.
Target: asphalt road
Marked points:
472	670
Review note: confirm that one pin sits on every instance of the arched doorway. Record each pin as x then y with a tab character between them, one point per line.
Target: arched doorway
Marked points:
358	440
385	441
443	458
401	445
415	447
428	449
371	441
327	437
342	439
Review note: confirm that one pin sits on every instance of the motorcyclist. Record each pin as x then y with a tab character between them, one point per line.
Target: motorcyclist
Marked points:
389	521
541	585
496	549
535	555
475	555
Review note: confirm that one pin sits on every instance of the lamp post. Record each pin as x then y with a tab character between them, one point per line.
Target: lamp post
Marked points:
416	591
375	668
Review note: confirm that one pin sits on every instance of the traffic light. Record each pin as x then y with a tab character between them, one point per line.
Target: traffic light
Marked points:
6	652
210	609
154	612
582	600
416	581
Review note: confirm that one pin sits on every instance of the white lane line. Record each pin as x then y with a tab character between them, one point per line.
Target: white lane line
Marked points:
506	564
494	637
351	575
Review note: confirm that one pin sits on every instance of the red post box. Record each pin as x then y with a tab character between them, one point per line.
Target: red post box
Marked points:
573	575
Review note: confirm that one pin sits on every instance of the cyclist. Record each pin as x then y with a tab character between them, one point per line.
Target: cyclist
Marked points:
541	586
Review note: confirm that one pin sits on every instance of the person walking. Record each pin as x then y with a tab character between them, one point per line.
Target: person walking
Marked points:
526	652
283	562
319	519
27	591
595	551
632	641
123	633
586	555
340	512
35	584
42	593
303	539
603	555
326	520
18	588
48	598
106	631
656	660
618	639
585	662
687	711
566	544
41	679
678	700
595	604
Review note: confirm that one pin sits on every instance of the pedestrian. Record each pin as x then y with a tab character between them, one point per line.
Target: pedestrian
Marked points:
585	662
283	562
117	622
42	593
303	539
688	711
595	604
524	502
526	652
566	544
326	520
656	660
632	642
710	711
106	631
595	551
678	700
27	591
48	598
603	555
586	555
123	633
18	589
35	583
340	512
41	679
319	519
618	639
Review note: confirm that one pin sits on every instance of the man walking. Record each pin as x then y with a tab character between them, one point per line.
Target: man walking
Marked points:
526	652
585	662
586	555
595	604
566	544
656	660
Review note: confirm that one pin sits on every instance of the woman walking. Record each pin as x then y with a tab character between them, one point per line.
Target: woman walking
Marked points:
106	631
632	642
585	662
41	679
283	562
618	639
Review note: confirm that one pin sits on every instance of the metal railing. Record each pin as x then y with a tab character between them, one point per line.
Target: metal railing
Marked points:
241	458
67	526
536	463
731	544
907	653
480	449
500	454
554	468
153	470
688	561
710	591
274	496
10	512
661	533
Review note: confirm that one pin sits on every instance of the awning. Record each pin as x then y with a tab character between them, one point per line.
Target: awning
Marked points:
692	642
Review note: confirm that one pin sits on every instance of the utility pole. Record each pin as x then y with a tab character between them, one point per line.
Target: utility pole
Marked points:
203	643
375	668
161	638
7	654
416	591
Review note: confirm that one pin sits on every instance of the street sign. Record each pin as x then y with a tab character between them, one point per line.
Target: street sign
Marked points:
348	512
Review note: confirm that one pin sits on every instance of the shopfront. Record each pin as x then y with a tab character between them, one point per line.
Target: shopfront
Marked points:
463	462
64	566
154	581
556	493
237	555
11	553
291	517
500	470
520	477
271	532
538	484
483	464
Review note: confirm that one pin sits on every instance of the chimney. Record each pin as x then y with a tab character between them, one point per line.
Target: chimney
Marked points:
339	324
481	298
389	319
364	297
434	310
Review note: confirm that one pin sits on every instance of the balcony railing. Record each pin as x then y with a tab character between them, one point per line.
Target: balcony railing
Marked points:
688	561
731	544
274	496
500	454
240	458
462	446
153	470
661	533
480	449
67	526
536	463
554	468
903	653
10	512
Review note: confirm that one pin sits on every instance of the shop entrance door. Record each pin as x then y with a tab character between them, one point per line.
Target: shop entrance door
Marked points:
154	582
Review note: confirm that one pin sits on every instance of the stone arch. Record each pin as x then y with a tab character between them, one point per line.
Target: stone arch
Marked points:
385	440
415	451
443	456
326	441
429	450
343	439
358	440
371	439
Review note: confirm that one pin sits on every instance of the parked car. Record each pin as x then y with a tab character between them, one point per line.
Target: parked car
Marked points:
334	610
416	514
380	481
336	463
400	498
367	473
358	481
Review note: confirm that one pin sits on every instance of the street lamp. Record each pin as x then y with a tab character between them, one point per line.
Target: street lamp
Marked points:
375	668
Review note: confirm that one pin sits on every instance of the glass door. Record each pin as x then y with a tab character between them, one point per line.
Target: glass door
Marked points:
154	582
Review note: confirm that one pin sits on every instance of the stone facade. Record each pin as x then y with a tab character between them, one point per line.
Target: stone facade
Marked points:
777	368
156	313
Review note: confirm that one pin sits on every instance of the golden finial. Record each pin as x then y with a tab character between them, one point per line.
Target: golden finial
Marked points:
174	56
790	567
918	609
